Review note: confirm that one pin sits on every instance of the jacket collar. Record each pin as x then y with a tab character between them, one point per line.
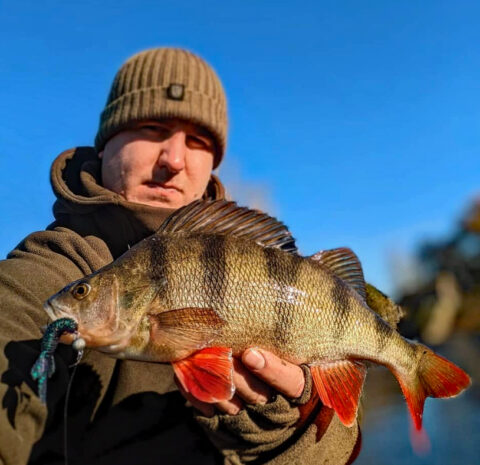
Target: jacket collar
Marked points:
85	206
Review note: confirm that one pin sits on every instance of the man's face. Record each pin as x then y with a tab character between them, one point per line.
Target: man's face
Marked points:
159	163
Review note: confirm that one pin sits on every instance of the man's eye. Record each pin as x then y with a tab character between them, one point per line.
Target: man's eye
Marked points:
197	142
155	130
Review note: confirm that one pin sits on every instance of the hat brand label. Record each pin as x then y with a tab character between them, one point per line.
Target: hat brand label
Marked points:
176	91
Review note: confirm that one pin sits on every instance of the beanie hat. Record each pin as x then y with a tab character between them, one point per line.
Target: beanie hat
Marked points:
165	83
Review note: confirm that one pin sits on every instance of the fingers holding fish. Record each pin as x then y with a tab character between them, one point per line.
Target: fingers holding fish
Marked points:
206	409
231	407
256	377
283	376
249	387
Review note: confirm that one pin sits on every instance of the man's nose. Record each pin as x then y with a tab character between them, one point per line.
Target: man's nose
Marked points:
173	152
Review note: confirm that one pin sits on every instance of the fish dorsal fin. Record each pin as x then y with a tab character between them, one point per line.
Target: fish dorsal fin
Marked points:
227	218
346	265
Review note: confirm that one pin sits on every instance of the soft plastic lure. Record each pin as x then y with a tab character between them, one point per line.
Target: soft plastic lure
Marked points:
44	367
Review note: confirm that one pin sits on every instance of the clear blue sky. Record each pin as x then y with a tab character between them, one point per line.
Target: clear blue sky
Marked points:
356	123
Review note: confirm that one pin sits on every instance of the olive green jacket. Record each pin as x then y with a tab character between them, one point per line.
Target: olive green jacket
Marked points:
120	412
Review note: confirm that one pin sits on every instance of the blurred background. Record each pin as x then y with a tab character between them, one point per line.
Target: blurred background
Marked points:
355	123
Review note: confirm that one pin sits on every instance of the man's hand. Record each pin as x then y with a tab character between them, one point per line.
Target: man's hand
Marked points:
257	376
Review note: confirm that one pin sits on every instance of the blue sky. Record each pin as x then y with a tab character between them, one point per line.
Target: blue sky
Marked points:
356	123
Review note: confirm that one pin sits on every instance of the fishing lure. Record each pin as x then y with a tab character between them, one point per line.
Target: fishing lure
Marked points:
44	367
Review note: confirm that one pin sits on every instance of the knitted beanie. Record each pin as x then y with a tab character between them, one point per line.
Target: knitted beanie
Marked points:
165	83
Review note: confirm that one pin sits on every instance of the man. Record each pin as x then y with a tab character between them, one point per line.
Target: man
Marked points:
162	132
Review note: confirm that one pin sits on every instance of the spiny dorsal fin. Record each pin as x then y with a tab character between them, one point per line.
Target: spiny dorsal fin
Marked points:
346	265
384	306
224	217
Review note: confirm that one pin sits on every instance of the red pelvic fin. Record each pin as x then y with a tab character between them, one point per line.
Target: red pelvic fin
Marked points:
207	374
436	377
339	385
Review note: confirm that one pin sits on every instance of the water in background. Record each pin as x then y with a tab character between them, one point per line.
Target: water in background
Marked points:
453	425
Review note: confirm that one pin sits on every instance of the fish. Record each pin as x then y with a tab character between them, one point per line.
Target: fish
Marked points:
216	279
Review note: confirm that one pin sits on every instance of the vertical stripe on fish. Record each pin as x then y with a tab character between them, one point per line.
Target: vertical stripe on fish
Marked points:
341	303
158	269
213	263
383	333
284	279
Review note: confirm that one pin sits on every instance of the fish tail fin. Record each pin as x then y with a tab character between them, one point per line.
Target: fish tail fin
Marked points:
435	377
440	377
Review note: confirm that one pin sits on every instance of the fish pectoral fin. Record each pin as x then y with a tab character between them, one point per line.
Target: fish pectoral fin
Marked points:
339	385
207	374
185	328
345	264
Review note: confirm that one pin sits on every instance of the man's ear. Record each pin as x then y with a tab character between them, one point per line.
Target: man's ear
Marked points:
100	154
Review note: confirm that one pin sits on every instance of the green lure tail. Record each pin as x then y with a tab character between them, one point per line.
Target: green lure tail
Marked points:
44	367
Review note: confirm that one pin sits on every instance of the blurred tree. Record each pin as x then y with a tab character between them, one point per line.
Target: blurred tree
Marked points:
448	299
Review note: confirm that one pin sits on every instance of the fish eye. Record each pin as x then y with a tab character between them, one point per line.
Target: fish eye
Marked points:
81	290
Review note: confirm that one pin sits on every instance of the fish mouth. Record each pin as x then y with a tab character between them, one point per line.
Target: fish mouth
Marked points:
52	312
111	337
105	339
55	314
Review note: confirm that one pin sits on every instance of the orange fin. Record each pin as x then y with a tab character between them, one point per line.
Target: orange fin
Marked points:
339	385
185	329
436	377
207	374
